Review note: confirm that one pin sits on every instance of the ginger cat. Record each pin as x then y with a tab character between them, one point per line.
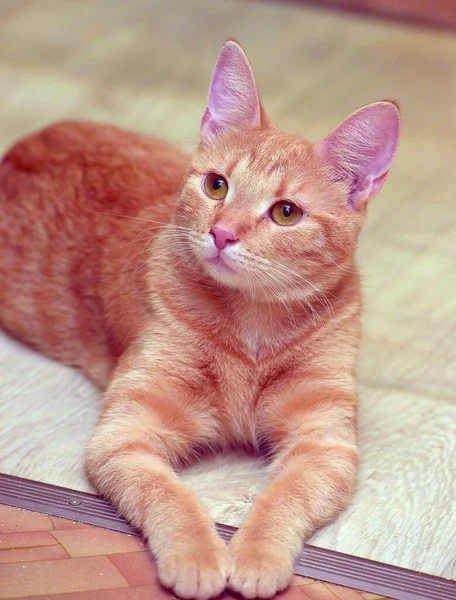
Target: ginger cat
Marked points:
215	300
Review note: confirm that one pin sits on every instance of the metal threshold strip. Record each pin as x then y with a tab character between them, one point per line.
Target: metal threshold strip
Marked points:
316	563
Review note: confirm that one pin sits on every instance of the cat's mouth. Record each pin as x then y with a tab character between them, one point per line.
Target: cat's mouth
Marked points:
223	265
220	263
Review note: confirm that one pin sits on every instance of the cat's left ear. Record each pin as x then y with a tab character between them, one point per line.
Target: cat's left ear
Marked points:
360	151
233	100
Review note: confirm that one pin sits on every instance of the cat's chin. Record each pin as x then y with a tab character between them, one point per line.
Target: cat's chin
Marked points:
223	272
220	264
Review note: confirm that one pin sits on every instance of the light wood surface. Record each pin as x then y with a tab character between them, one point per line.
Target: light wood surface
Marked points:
145	64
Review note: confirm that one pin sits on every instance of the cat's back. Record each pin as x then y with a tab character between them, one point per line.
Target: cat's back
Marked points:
102	160
56	188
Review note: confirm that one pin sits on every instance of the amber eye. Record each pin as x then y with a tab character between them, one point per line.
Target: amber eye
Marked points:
215	186
285	213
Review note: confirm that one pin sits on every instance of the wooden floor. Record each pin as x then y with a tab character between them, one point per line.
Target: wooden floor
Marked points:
145	64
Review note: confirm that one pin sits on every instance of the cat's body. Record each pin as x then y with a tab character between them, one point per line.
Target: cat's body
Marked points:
57	189
207	324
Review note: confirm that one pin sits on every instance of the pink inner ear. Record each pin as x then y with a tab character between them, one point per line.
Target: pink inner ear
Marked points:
233	100
362	148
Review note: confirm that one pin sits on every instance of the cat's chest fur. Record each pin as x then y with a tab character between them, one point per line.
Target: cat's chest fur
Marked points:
235	363
263	334
241	386
244	379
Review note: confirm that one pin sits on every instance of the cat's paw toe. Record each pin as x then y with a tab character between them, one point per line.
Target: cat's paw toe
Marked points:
195	572
258	570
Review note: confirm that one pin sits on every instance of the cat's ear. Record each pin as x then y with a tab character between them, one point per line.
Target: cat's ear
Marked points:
360	151
233	100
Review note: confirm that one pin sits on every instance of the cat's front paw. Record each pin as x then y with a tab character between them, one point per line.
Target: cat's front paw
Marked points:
259	569
196	570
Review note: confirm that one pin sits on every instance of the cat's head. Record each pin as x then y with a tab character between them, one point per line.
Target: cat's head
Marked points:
270	213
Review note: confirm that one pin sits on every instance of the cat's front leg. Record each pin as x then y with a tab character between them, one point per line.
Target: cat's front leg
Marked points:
145	429
314	434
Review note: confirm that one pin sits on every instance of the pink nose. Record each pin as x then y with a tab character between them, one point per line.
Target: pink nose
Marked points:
222	237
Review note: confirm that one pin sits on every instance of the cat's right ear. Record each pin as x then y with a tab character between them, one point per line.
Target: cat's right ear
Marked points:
360	151
233	100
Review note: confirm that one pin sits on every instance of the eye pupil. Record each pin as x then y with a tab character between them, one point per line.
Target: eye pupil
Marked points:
218	183
287	210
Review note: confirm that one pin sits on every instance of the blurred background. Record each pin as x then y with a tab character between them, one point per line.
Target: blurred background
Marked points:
146	65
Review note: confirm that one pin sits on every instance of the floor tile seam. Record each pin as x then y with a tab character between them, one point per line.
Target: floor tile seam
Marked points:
336	596
60	543
118	571
23	530
93	528
28	547
77	558
28	562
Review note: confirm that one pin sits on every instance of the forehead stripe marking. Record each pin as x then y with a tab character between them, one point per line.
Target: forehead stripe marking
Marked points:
230	168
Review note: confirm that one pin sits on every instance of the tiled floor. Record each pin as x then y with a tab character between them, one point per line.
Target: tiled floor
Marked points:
45	557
